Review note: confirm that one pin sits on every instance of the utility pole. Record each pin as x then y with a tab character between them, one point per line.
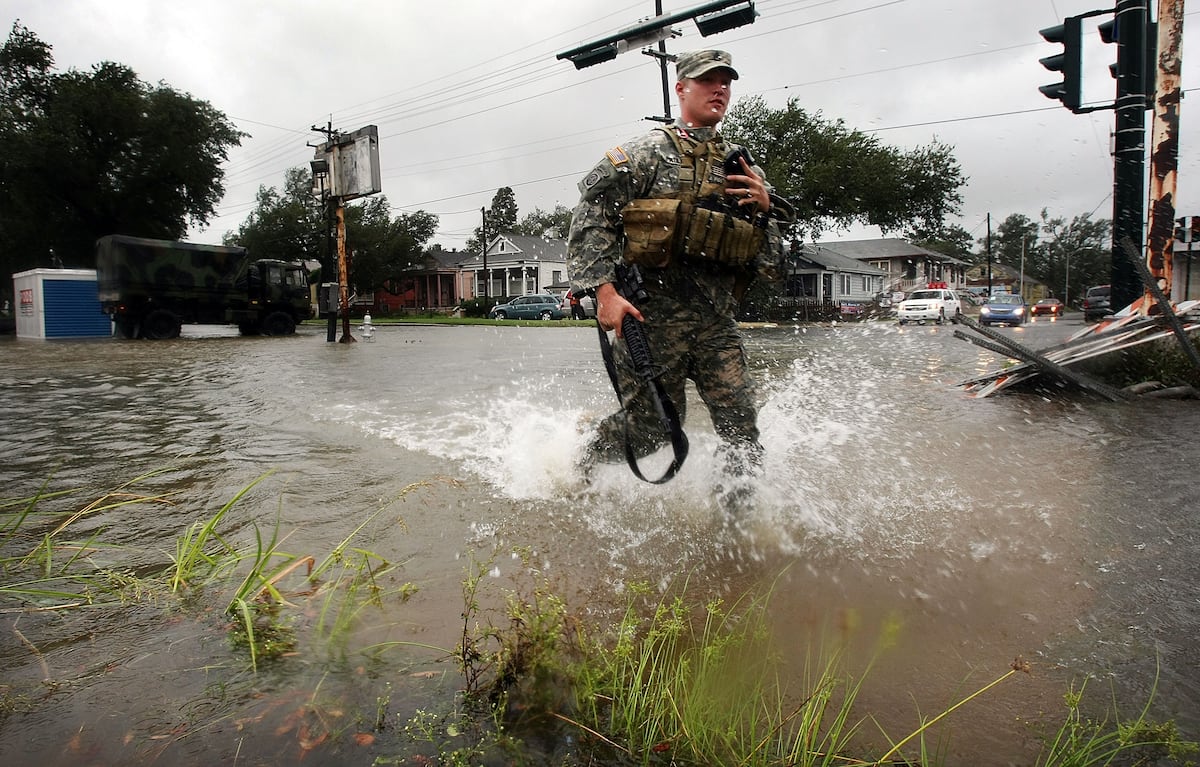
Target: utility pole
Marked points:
339	217
988	245
663	58
483	247
1166	77
711	18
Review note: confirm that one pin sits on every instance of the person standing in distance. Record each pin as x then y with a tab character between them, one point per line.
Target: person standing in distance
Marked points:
700	223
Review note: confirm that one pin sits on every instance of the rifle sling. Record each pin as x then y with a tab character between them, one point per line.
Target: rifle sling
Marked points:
666	413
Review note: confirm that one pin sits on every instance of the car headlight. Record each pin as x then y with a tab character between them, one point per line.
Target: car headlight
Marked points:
985	310
1020	310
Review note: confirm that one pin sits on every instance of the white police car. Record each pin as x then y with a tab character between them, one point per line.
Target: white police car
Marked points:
929	305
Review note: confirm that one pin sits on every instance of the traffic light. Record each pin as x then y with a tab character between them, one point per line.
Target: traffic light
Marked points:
1130	67
1069	62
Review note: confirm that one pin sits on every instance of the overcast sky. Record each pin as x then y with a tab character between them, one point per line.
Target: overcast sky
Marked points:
468	95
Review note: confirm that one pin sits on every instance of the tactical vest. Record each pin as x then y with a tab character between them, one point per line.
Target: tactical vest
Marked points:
695	222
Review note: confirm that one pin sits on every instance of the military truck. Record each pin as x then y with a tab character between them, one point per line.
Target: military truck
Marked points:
152	287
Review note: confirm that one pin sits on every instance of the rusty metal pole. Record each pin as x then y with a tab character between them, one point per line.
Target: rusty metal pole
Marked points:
1164	151
343	275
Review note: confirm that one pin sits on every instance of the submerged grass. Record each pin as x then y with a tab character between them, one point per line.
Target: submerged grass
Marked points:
671	677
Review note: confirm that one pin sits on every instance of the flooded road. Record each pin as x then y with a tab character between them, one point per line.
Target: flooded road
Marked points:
1044	524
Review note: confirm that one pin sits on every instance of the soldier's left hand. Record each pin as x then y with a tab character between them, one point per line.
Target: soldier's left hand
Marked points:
748	190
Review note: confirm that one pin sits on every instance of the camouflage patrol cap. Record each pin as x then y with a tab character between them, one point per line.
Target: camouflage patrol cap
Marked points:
696	63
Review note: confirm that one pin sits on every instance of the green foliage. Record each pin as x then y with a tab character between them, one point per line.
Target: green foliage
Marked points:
671	678
949	239
700	682
1084	742
1163	361
538	222
386	250
501	218
477	307
287	224
201	554
494	659
89	154
1076	256
837	177
293	224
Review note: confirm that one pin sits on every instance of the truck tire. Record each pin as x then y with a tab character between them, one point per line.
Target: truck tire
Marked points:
160	325
278	324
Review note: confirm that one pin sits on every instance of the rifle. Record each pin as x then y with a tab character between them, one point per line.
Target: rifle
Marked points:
629	284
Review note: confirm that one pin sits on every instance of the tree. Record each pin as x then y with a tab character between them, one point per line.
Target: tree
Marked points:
385	248
288	225
1077	254
501	217
1015	238
949	239
539	223
837	177
94	153
292	224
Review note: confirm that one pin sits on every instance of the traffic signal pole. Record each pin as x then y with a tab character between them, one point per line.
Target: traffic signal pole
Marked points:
1129	148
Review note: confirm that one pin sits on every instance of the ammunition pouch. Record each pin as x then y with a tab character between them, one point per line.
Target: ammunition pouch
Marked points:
650	226
720	235
660	230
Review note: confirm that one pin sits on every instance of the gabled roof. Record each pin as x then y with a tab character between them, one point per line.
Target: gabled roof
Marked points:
520	247
447	259
886	247
833	261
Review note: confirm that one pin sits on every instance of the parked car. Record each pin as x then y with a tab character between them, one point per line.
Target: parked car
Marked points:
1051	306
1004	309
1096	303
534	307
930	304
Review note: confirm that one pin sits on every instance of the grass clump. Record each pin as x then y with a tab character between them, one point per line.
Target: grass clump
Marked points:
1085	742
699	683
677	680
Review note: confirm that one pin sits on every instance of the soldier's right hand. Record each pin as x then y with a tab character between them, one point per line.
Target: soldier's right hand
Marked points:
611	308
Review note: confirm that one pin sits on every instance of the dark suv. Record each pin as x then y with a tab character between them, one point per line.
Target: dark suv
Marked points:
1095	303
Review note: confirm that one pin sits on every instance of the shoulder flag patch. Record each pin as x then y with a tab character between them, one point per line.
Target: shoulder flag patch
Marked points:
617	156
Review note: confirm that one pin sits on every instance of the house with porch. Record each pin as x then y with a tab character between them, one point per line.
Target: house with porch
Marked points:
515	265
433	285
818	275
905	266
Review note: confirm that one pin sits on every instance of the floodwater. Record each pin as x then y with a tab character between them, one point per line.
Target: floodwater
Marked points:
1045	524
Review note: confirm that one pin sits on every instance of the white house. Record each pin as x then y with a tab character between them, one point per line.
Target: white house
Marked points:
517	265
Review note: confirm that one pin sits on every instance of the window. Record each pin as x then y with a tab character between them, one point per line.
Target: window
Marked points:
844	282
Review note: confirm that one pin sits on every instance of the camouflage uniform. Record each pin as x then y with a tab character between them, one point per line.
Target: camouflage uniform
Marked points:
690	308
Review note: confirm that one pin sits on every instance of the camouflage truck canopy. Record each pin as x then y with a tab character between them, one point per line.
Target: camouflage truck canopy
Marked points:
127	267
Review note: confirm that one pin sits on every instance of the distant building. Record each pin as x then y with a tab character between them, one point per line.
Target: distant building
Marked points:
905	266
818	271
516	265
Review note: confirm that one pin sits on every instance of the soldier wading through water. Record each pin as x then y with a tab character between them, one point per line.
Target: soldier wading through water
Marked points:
698	221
